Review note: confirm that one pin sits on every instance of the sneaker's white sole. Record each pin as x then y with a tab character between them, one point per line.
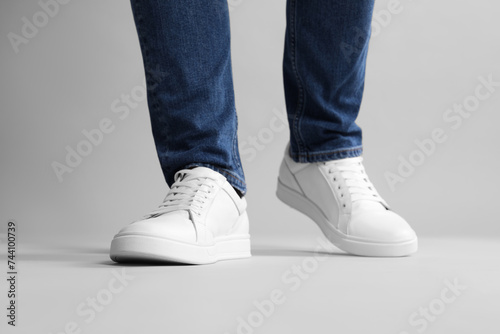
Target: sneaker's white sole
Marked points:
135	247
345	242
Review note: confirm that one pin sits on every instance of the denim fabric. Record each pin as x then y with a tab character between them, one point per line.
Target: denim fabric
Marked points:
324	68
185	46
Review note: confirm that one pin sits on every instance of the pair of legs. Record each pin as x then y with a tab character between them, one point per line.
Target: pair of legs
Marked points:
203	219
187	59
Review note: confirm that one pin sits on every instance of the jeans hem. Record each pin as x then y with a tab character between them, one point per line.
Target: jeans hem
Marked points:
308	157
230	176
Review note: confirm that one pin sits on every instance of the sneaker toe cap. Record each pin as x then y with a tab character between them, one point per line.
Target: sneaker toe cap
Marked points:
381	226
174	226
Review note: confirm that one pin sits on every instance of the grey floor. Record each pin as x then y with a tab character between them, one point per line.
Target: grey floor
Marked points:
283	288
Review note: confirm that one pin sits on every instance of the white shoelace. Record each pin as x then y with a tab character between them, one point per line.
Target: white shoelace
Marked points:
189	192
356	180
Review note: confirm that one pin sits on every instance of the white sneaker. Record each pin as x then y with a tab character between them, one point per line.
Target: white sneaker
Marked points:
339	197
202	220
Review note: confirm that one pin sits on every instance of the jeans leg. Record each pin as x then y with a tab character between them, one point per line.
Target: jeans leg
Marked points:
186	52
326	45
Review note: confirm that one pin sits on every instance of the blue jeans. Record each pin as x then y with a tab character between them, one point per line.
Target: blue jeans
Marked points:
185	46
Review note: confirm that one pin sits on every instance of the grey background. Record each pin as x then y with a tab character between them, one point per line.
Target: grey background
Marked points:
66	78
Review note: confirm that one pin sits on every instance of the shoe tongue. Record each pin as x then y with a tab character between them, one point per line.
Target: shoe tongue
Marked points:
179	176
187	174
